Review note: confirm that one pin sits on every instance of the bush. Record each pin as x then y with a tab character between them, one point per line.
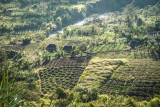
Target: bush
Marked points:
61	93
90	105
83	47
157	24
139	22
13	42
155	102
103	99
26	41
61	103
88	95
30	95
131	102
25	64
92	95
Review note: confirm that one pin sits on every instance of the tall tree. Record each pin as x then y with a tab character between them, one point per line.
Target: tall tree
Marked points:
139	22
129	13
157	25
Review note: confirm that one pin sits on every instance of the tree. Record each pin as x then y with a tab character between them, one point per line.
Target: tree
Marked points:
139	22
49	27
46	57
129	13
83	47
59	53
51	97
61	93
26	41
157	25
73	1
129	22
75	51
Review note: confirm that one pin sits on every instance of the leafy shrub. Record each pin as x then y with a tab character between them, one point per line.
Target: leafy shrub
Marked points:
103	99
92	95
3	56
90	105
12	54
155	102
30	95
87	95
23	75
57	55
61	93
61	103
81	91
13	42
157	24
25	64
83	47
46	57
26	41
131	102
139	22
120	63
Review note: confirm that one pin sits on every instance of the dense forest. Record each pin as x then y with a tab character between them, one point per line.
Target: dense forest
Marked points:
79	53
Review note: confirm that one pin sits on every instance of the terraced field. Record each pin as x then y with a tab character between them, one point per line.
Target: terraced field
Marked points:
139	78
111	47
98	71
62	73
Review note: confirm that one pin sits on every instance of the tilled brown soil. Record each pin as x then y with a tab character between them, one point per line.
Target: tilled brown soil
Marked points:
75	61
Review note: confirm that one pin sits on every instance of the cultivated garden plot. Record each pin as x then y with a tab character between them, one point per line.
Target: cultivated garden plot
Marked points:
98	71
139	78
63	73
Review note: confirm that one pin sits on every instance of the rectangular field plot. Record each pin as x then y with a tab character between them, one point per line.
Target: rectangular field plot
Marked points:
66	77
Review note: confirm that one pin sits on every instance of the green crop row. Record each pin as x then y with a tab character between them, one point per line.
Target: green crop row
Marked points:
66	77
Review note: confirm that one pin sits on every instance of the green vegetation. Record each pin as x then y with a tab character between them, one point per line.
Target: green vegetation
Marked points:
110	60
63	74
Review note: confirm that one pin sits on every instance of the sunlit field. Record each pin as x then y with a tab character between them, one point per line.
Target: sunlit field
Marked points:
79	53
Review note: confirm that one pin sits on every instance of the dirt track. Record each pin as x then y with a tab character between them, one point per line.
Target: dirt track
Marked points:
14	47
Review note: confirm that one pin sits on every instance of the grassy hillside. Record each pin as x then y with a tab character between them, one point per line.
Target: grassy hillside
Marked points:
107	62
